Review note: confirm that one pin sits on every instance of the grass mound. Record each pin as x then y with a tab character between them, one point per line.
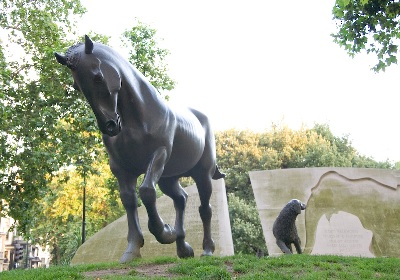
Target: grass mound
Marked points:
233	267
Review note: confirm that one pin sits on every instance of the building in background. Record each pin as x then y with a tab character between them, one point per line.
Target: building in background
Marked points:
18	253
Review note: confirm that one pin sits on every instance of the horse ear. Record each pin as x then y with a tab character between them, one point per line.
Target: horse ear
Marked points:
297	207
88	45
60	58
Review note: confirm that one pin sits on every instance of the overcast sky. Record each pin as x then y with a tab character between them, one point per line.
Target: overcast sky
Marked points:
248	64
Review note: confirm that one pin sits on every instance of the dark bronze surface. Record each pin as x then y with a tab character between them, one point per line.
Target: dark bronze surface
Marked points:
143	135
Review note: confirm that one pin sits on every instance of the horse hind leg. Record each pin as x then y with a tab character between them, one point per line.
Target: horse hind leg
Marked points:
285	247
204	187
172	188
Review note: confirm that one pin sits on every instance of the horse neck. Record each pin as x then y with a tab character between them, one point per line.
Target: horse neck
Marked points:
139	98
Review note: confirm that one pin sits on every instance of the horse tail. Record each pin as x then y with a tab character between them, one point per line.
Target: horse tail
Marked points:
217	174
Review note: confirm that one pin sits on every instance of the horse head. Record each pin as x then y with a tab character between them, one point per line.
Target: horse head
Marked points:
96	77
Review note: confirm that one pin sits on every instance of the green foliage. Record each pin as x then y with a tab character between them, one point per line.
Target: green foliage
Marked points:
242	151
371	25
247	234
147	56
238	152
32	101
45	124
63	207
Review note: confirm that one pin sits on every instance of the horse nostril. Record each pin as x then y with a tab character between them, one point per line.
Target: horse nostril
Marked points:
111	125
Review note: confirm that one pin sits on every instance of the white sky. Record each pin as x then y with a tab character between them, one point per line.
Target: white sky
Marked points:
248	64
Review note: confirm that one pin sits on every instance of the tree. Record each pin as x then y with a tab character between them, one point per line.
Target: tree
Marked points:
45	124
239	152
147	56
63	207
370	25
247	232
301	148
33	100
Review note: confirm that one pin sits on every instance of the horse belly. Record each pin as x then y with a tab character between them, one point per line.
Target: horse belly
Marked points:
187	150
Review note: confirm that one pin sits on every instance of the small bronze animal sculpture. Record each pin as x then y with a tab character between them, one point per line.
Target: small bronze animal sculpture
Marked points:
143	135
284	228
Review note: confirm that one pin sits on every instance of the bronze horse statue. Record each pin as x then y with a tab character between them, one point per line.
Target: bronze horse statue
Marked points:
143	135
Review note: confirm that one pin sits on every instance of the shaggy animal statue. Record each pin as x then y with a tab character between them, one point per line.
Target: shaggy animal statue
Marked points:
143	135
284	228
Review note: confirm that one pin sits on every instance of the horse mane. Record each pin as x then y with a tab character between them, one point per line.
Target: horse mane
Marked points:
73	56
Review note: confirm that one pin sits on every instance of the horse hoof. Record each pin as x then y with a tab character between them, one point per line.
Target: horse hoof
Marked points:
129	256
207	253
131	253
167	236
186	251
208	247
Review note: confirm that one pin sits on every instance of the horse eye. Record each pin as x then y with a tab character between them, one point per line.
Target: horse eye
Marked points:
98	78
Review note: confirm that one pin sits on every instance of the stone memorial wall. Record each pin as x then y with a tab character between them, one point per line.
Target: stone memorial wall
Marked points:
109	244
350	211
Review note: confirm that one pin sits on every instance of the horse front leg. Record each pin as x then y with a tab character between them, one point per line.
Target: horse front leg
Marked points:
164	233
127	185
297	245
172	188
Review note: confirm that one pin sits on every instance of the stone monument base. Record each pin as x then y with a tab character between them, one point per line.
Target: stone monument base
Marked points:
110	243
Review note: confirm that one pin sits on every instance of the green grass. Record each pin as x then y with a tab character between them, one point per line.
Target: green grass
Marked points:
234	267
